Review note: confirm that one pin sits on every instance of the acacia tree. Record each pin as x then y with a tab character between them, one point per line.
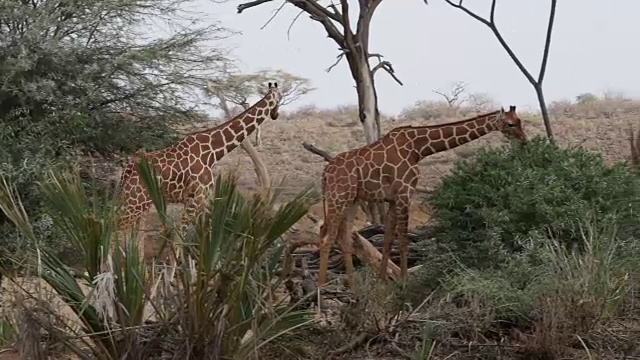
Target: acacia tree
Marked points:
535	82
237	89
353	46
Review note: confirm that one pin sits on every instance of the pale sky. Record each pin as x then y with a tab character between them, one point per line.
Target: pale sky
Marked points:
433	45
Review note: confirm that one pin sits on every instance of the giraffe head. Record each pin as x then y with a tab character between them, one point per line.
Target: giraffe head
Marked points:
273	97
510	124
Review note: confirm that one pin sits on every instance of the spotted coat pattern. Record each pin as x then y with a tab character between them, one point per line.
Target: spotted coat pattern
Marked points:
387	171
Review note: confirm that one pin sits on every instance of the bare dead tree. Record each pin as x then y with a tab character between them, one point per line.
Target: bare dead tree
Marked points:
453	96
535	82
353	46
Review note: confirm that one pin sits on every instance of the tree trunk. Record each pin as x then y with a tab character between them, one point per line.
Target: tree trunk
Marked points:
544	111
368	112
367	97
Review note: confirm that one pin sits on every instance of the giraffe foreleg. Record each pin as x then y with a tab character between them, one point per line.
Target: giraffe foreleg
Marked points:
132	219
401	230
390	222
324	246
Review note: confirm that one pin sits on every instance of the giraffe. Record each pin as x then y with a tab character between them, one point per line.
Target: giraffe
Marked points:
185	168
387	171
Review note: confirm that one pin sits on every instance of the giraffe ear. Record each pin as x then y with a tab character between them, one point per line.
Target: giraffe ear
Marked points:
501	110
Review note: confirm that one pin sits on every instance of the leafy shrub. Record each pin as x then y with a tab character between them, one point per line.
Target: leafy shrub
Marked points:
493	205
571	292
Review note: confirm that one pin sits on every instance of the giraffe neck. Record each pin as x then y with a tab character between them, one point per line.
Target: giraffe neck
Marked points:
228	135
428	140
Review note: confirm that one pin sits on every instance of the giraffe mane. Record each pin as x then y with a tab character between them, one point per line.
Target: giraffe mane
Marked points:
449	123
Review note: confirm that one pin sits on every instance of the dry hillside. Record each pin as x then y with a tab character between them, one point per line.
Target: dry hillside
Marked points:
601	127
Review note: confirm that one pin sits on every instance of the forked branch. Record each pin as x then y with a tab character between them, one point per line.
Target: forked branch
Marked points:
490	22
386	66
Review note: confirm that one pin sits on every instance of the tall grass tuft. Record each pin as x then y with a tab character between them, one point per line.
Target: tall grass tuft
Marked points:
222	303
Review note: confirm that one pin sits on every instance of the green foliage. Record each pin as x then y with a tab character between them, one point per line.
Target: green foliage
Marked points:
569	293
85	77
493	205
586	98
72	71
220	306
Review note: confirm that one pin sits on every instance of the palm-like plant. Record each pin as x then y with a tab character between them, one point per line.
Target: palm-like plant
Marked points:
220	306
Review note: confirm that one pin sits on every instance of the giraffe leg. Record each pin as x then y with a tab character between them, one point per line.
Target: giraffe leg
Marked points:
389	230
133	216
346	243
330	231
401	230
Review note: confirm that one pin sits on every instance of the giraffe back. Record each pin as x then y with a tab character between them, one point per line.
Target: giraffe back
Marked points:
374	172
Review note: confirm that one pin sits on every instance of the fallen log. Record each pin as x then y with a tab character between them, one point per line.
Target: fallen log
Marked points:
370	254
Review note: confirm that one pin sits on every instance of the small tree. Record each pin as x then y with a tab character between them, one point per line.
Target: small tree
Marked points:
535	82
353	46
452	97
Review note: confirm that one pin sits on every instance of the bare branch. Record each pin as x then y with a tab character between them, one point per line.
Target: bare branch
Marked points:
275	13
386	66
245	6
492	25
338	58
325	155
547	41
292	23
453	96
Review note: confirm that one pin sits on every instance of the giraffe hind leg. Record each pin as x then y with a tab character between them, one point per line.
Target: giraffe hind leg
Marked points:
389	232
346	243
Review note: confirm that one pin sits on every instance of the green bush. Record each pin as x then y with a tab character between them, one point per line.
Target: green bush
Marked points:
494	204
571	292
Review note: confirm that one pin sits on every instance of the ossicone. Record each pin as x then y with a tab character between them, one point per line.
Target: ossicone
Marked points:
512	108
273	85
